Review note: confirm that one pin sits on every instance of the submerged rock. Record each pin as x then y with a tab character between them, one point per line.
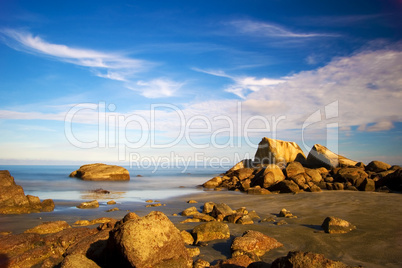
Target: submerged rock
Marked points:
101	172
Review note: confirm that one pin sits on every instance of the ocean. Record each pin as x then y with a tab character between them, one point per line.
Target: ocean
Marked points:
53	182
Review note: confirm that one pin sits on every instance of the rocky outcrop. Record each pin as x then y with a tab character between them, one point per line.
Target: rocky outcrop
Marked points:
89	204
101	172
49	227
150	241
306	259
272	151
334	225
321	156
14	201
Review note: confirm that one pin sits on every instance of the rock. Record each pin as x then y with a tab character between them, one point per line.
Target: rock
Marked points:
150	241
285	186
189	211
320	156
293	169
306	259
314	175
208	207
338	186
377	166
254	242
200	263
367	185
111	202
258	190
394	180
334	225
271	151
192	201
89	204
101	172
190	220
281	222
354	175
78	260
314	188
271	174
245	163
220	211
203	217
245	219
187	237
14	201
212	183
192	252
286	214
49	227
112	209
235	262
130	216
210	231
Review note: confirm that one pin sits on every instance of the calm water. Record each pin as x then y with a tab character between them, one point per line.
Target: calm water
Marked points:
54	182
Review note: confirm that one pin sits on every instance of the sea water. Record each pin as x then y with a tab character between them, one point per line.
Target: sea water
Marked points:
53	182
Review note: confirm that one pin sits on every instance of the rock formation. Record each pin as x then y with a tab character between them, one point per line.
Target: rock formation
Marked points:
320	156
101	172
271	151
14	201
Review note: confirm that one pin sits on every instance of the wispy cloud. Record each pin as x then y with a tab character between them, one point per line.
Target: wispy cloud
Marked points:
107	65
265	29
157	88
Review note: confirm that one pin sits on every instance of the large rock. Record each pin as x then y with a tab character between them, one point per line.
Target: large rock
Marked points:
150	241
78	260
101	172
49	227
255	243
378	166
306	259
210	231
14	201
271	151
321	156
334	225
354	175
285	186
270	175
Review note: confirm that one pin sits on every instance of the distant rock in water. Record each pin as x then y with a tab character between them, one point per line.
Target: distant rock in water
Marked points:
101	172
271	151
14	201
321	156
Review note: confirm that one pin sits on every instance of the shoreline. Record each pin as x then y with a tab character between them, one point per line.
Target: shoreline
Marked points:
377	242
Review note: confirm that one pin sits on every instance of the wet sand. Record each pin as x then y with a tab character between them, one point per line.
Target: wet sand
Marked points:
377	242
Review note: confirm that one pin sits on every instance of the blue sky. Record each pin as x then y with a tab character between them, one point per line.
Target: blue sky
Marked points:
116	82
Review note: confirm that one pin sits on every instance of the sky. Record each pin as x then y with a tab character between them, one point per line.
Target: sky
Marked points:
177	82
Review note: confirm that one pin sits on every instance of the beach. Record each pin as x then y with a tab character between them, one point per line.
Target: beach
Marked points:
377	241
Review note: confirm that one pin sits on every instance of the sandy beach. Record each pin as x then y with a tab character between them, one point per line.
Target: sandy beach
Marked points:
377	241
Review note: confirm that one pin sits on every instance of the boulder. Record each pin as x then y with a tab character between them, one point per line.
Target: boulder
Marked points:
210	231
254	242
314	175
377	166
221	211
285	186
367	185
101	172
245	163
189	211
272	151
293	169
271	174
150	241
354	175
394	180
235	262
320	156
212	183
187	237
334	225
208	207
78	260
306	259
14	201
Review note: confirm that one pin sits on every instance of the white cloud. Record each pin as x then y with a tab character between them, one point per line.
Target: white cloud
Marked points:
112	66
157	88
270	30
